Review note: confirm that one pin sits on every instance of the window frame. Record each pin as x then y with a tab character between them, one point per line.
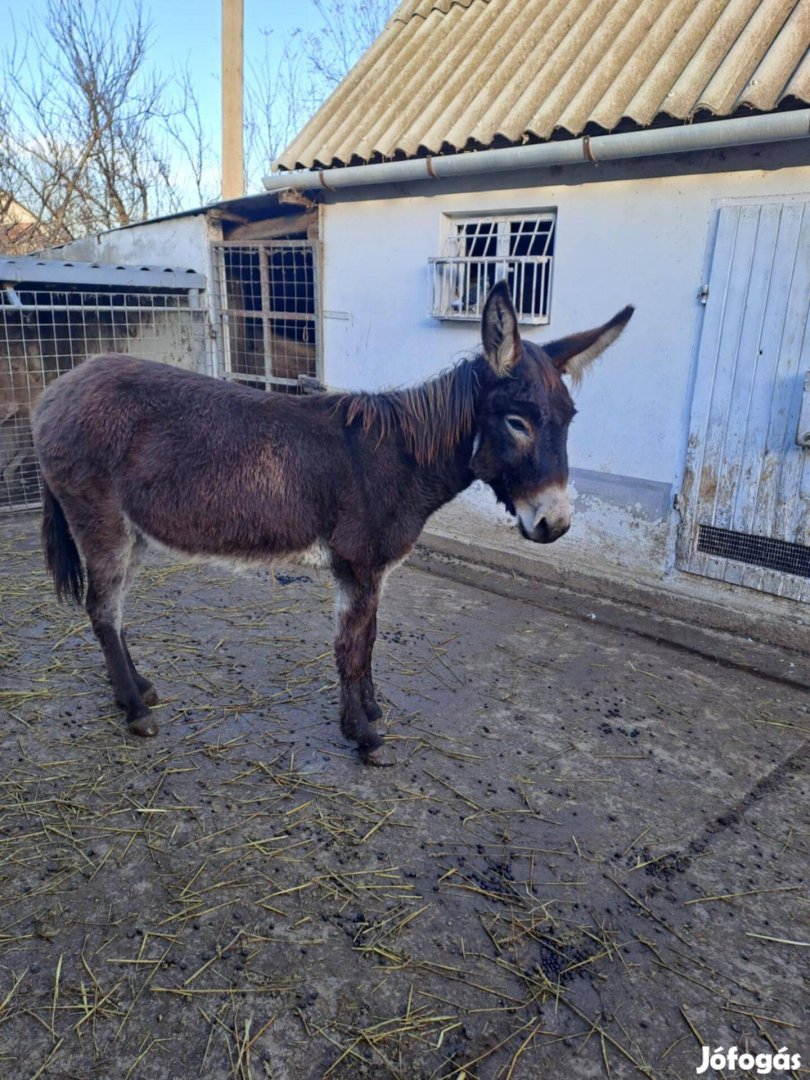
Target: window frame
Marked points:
454	275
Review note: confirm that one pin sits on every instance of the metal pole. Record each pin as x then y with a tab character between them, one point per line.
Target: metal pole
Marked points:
233	70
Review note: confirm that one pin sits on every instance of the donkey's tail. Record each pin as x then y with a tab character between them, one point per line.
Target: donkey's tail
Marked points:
61	554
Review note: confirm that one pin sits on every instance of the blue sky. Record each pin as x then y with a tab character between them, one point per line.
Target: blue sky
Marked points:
188	33
185	32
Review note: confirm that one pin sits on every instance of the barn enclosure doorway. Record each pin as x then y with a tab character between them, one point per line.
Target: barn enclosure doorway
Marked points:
746	498
55	314
266	307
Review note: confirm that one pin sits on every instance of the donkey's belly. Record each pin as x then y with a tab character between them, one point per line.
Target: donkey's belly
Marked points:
221	517
315	555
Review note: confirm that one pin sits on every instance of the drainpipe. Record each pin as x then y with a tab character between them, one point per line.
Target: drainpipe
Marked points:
712	135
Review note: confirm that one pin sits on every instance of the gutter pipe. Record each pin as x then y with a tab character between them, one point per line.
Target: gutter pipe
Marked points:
712	135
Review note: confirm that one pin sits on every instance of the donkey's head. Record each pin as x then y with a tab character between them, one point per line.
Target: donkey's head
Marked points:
524	412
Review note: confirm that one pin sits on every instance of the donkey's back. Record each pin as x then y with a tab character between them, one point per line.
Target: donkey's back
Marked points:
197	464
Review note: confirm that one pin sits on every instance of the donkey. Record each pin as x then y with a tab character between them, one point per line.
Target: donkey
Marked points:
135	452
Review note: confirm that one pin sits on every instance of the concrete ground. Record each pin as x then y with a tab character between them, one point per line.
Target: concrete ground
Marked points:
595	564
590	859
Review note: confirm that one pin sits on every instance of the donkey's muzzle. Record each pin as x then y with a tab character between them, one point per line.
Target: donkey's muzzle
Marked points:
546	516
544	532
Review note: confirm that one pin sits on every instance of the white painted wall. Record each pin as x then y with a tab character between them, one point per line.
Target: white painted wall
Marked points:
641	240
176	242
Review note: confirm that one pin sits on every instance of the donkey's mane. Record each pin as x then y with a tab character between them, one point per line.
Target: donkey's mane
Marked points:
434	416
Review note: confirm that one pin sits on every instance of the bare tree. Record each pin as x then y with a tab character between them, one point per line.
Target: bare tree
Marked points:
92	139
347	30
196	167
83	143
277	100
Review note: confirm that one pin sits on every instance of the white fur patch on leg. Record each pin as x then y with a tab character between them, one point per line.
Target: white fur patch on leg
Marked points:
343	601
316	557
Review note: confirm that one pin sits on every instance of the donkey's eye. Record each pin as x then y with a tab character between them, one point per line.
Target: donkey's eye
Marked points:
518	425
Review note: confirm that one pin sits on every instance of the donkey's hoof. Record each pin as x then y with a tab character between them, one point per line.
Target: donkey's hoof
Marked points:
382	756
144	726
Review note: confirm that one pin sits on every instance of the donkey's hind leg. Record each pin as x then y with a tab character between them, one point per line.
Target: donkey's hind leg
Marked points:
146	687
107	555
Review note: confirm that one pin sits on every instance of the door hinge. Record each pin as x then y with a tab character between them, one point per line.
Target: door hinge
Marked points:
703	294
803	430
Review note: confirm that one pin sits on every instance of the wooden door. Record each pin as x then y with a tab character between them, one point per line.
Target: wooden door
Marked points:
746	492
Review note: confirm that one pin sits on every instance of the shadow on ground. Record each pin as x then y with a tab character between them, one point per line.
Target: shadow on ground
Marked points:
588	861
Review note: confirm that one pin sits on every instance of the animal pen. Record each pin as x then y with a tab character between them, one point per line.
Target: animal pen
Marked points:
55	314
257	325
265	303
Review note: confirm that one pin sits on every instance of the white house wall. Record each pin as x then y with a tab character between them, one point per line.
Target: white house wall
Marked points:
177	242
640	240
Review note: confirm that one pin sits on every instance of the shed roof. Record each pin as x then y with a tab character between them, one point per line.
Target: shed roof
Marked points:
37	270
452	75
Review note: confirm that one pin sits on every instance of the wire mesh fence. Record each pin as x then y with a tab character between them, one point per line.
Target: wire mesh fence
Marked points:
266	309
44	333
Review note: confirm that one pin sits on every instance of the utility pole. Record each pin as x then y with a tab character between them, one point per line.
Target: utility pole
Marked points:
233	77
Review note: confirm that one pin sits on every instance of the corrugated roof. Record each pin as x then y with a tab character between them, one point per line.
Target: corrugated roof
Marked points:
34	269
452	75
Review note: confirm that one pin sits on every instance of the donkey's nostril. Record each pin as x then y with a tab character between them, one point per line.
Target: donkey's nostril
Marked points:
545	532
543	520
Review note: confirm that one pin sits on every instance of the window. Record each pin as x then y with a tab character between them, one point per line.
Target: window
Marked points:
266	304
480	251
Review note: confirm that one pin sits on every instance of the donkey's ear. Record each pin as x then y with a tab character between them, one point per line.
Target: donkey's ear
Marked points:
499	330
572	355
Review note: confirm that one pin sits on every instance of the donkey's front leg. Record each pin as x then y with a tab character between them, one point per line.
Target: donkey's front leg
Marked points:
357	599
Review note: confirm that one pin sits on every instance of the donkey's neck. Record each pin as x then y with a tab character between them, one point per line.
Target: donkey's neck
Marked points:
435	419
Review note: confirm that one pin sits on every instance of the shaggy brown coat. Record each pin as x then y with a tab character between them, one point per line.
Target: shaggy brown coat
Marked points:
134	452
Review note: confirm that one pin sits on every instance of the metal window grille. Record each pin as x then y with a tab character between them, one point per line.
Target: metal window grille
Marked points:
779	555
267	311
44	333
480	251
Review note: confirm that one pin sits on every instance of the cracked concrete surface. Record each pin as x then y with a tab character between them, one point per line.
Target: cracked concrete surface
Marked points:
590	857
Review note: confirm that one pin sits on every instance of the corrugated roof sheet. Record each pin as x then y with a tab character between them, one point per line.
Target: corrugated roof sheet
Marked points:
34	269
451	75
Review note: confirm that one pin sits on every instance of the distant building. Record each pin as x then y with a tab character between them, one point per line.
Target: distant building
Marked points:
18	226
